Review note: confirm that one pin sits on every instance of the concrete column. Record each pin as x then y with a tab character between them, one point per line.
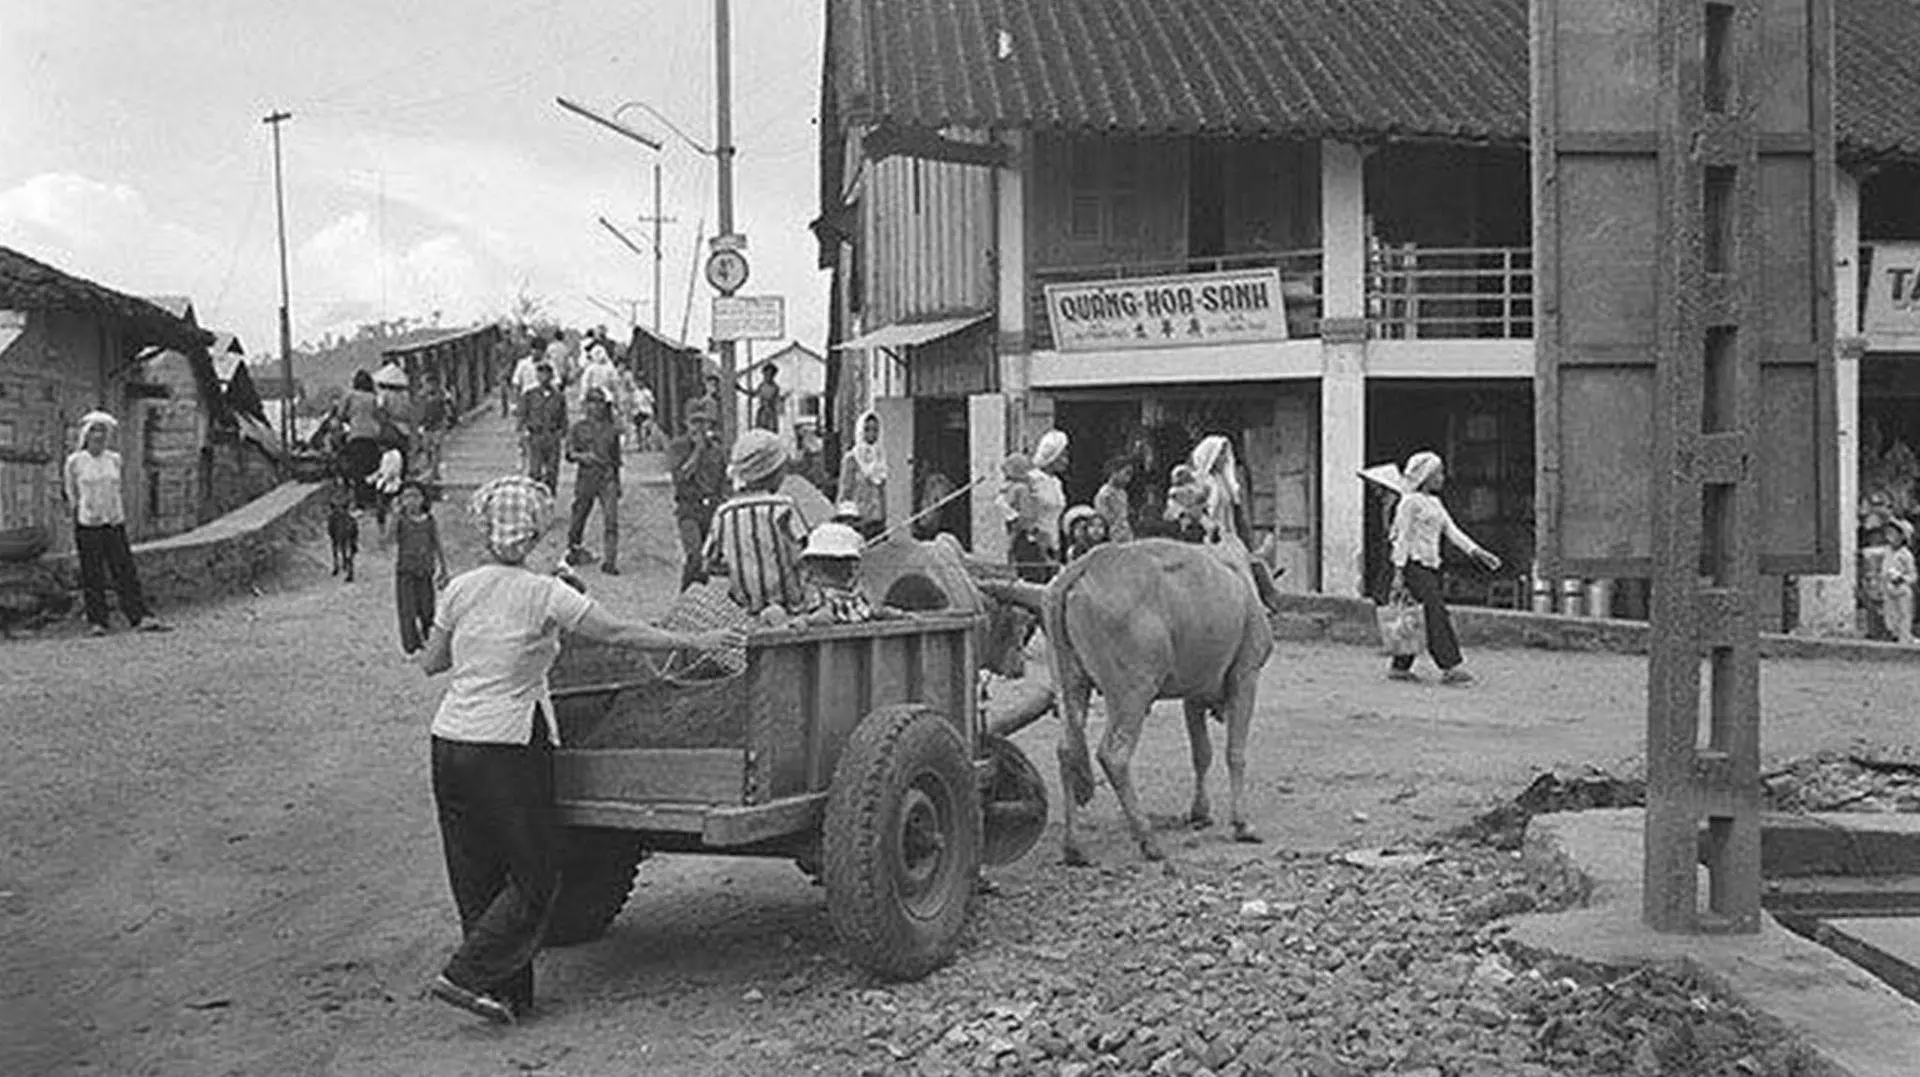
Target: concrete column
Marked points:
986	440
1343	380
1010	246
1000	435
1827	602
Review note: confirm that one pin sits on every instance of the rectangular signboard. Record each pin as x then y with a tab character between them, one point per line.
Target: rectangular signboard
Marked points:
749	317
1892	320
1229	307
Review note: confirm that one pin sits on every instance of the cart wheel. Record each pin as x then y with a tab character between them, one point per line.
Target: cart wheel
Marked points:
902	841
1016	807
596	875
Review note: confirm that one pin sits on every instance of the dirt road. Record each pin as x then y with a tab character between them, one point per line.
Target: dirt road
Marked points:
221	855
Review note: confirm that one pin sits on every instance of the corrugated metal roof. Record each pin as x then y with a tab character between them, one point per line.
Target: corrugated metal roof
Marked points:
29	284
1364	70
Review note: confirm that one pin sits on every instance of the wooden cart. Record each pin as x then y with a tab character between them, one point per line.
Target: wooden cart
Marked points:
858	751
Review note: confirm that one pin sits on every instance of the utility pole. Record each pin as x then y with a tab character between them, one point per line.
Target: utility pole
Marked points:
656	220
274	120
723	159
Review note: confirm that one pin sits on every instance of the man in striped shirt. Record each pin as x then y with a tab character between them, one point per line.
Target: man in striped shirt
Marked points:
757	534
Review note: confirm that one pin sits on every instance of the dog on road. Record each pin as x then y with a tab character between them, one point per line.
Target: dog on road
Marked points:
343	531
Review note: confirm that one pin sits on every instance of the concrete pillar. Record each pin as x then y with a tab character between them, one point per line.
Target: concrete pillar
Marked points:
1343	380
996	421
1827	602
986	443
1010	247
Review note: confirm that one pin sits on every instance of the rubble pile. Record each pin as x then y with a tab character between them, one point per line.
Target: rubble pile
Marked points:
1296	965
1865	778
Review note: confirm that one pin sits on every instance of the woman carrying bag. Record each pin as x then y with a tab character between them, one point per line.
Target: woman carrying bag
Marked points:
1420	521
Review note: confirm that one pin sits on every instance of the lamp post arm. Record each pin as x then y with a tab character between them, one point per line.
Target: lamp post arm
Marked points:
698	146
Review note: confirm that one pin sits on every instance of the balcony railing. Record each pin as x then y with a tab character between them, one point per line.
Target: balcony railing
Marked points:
1413	293
1299	285
1450	293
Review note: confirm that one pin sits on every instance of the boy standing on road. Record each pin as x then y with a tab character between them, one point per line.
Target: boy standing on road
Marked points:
699	467
1896	581
419	567
594	445
543	423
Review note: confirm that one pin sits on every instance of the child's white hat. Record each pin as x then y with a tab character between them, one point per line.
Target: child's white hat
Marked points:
837	541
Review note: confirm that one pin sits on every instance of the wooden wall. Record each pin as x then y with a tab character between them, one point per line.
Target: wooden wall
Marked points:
54	372
927	240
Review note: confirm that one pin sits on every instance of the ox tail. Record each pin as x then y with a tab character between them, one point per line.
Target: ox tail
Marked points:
1069	678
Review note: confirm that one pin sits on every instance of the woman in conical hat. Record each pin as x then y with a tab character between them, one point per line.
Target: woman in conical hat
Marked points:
1420	522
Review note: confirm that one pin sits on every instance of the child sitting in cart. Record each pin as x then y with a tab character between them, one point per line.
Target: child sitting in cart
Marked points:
830	561
757	535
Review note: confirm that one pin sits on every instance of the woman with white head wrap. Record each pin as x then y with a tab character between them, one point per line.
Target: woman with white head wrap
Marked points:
1218	474
1049	462
92	485
1420	521
864	474
497	632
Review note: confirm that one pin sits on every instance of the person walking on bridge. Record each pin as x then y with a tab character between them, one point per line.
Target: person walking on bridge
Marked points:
594	446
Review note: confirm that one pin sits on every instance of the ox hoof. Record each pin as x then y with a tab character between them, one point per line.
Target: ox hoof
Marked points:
1074	858
1150	850
1200	820
1244	834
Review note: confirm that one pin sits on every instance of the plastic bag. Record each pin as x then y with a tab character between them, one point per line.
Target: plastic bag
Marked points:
1403	627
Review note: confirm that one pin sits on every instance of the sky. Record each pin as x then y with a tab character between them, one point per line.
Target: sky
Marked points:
427	166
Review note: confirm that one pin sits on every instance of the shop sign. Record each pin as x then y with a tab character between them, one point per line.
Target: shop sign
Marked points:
1232	307
1893	296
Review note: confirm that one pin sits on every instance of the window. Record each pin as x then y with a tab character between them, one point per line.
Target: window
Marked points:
1104	197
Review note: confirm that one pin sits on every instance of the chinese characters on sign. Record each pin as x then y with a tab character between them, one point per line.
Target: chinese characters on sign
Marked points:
1160	312
1892	319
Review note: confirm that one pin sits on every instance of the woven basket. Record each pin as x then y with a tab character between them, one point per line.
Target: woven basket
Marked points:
705	607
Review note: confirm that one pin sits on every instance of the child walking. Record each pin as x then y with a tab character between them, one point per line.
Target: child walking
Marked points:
419	566
1896	581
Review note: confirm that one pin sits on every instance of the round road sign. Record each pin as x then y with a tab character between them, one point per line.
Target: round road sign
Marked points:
727	271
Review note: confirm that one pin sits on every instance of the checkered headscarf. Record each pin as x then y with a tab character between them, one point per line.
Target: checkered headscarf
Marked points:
513	511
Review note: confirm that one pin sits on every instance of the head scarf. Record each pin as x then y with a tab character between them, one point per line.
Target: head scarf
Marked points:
1052	445
1213	462
513	511
1420	467
867	455
756	455
101	419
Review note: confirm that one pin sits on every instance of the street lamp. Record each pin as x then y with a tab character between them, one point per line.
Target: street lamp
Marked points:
657	220
721	152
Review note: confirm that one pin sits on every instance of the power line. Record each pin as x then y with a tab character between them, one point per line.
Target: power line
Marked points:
246	230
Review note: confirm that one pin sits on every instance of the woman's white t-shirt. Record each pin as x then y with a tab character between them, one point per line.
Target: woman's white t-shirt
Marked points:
505	623
93	487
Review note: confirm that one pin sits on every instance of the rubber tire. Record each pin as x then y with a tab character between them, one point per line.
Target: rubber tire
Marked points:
597	868
901	760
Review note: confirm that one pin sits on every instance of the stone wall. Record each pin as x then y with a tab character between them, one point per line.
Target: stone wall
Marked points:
226	557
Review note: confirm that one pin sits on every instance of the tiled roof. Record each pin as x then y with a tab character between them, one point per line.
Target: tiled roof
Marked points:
1364	70
28	284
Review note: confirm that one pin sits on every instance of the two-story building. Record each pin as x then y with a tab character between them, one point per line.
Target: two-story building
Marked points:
1302	223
